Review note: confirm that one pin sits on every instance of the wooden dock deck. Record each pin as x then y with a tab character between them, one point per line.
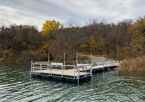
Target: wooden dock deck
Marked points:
60	72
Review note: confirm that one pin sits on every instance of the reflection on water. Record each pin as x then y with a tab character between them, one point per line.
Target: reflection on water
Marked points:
16	85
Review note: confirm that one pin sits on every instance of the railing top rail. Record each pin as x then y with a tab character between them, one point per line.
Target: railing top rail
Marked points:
41	63
83	64
69	65
79	61
57	64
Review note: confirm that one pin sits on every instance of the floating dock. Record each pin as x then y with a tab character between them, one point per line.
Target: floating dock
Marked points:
47	71
78	71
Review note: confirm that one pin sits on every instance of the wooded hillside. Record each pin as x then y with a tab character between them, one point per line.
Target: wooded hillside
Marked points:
22	43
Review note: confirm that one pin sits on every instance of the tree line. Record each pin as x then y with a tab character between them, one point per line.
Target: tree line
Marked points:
122	40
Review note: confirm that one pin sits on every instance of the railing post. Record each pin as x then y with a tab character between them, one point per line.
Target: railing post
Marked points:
91	66
47	65
31	65
85	71
78	74
40	67
62	70
76	59
64	60
103	64
74	72
49	69
48	58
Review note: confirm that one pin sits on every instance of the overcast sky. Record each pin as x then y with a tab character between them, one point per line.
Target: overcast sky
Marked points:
36	12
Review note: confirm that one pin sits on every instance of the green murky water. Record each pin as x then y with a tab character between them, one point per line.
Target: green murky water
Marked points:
111	86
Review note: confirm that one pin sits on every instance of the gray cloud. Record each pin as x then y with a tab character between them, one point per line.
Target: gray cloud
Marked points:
36	12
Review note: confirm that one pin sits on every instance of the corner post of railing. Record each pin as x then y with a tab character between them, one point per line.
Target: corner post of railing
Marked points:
64	60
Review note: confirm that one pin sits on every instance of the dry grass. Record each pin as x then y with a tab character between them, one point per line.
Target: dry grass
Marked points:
87	56
133	64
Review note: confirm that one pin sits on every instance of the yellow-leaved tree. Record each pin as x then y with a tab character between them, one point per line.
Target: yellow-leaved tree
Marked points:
50	27
138	36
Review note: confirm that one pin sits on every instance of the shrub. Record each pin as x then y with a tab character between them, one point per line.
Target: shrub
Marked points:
61	58
1	53
1	60
41	55
33	53
26	56
18	60
5	54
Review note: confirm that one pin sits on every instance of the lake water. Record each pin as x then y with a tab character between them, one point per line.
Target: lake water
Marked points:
111	86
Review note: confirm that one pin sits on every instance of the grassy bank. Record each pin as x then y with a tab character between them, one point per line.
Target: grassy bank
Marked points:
133	64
